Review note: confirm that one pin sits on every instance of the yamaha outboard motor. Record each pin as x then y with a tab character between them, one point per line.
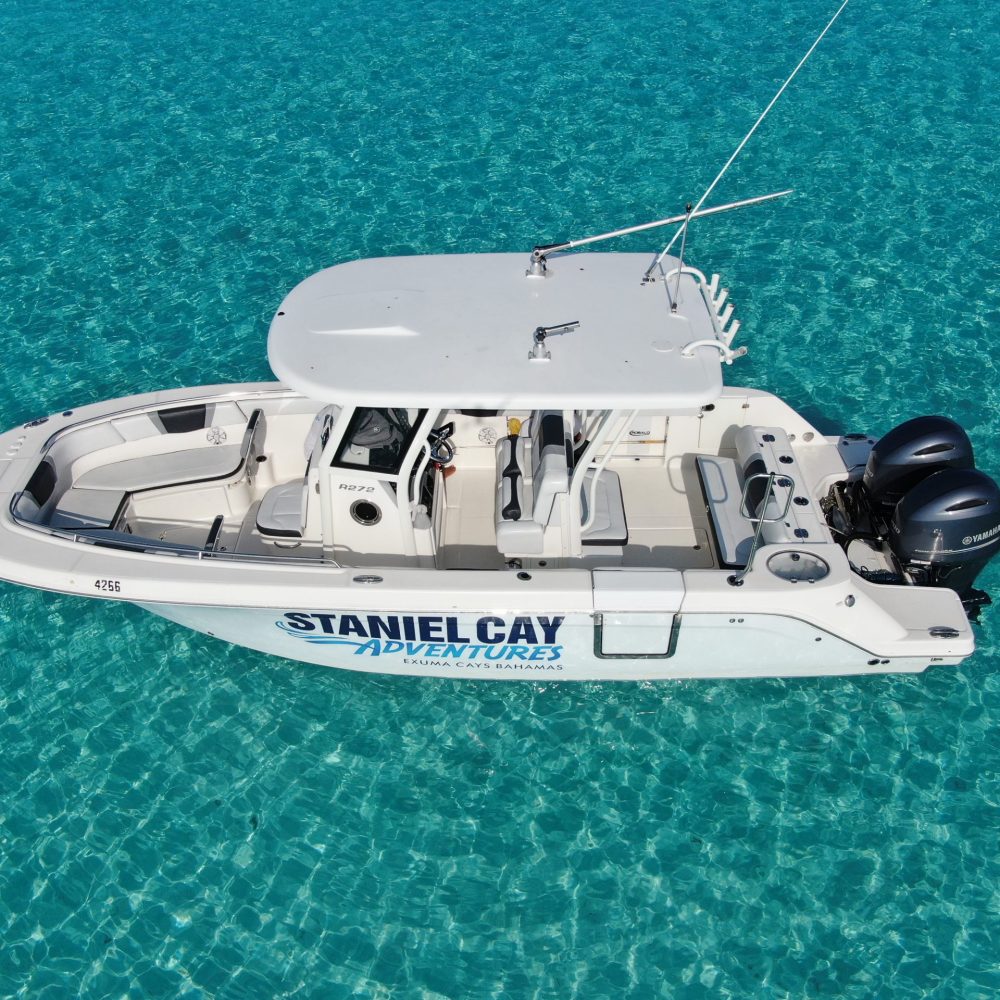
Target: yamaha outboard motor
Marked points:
947	528
922	498
908	454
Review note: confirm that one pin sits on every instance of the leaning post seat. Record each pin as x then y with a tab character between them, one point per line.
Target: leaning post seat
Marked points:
532	472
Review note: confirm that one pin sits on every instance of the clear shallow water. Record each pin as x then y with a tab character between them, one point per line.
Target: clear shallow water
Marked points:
179	817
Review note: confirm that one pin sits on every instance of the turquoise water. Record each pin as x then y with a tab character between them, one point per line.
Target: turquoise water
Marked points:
182	818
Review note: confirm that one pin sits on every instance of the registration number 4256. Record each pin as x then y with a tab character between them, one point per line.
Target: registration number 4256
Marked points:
108	586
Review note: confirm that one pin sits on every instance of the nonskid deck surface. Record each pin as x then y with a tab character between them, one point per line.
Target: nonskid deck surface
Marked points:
662	526
661	522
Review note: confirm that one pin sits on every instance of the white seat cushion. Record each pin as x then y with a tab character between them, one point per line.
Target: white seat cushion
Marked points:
609	526
280	512
171	469
720	482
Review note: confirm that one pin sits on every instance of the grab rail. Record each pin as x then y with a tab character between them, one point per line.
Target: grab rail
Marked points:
103	538
599	468
736	579
726	354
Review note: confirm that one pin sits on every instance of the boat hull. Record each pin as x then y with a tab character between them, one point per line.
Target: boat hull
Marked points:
571	622
528	646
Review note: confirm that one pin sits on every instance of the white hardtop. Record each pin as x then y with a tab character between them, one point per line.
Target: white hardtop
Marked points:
457	330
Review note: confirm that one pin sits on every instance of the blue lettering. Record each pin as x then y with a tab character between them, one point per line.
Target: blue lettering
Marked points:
299	620
430	628
518	652
372	646
388	627
408	630
483	633
392	647
326	621
550	626
434	649
522	631
351	625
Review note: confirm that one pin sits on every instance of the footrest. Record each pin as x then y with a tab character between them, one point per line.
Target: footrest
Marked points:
81	508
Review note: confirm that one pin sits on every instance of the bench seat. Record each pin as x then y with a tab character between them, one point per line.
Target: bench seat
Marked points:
768	449
723	489
760	450
206	463
175	468
83	508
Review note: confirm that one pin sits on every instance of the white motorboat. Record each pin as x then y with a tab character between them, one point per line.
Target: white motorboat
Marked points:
489	466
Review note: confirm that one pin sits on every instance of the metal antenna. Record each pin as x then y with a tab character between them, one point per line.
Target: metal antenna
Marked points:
774	100
677	283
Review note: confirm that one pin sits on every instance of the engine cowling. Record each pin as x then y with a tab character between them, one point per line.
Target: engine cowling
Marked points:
910	453
947	528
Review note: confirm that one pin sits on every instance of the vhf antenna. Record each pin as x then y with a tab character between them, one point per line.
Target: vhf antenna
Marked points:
536	265
711	187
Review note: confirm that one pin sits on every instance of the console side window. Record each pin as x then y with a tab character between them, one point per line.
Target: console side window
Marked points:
378	438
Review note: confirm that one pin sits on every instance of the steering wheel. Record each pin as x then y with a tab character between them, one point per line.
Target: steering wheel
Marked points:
442	450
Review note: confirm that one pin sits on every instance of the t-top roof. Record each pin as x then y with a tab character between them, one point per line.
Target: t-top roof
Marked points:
456	331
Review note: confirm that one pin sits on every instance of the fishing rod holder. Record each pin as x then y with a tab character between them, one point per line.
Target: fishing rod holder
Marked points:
537	264
538	352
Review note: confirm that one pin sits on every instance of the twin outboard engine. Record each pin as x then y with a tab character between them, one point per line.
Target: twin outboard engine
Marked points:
922	496
947	528
908	454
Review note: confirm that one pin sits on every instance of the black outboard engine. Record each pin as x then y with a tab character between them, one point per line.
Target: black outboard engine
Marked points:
922	499
908	454
947	528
